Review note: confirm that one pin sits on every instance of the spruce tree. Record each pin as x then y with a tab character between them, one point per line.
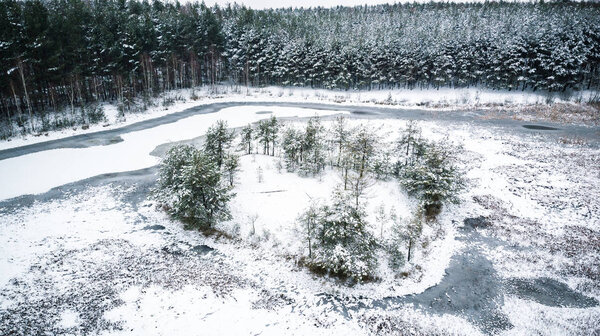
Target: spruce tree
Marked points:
191	188
218	141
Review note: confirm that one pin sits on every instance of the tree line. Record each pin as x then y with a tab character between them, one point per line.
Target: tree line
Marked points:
59	55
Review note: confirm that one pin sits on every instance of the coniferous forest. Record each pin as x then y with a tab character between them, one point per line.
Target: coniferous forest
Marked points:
69	54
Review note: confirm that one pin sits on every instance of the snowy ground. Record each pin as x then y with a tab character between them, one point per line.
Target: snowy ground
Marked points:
518	256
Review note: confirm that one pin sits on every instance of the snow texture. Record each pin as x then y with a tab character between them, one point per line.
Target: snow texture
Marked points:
93	262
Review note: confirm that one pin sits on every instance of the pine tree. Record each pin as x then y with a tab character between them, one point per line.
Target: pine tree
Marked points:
291	144
191	188
263	134
435	179
231	165
363	147
341	136
218	141
343	244
312	154
247	137
410	145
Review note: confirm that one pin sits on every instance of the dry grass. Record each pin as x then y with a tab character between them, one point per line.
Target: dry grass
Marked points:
567	113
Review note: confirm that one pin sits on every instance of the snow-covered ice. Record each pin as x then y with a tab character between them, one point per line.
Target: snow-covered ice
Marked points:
39	172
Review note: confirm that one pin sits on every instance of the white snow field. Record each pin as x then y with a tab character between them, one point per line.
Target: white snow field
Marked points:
103	259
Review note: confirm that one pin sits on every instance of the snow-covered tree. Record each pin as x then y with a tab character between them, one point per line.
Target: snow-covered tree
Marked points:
341	135
403	237
410	145
218	141
191	188
434	179
267	133
341	242
291	144
363	146
231	166
313	147
246	138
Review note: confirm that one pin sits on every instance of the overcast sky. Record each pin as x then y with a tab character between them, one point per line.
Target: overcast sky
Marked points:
262	4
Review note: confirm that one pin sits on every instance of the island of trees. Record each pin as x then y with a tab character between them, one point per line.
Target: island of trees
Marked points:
196	184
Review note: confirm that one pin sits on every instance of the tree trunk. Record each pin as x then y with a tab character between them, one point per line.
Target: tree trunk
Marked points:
8	118
21	72
17	103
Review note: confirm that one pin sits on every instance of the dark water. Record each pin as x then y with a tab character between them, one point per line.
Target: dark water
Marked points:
541	128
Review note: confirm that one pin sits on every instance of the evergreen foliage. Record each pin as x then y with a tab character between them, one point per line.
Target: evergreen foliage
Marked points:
231	165
218	141
267	133
339	239
305	149
312	154
292	145
434	179
191	188
403	237
246	138
56	53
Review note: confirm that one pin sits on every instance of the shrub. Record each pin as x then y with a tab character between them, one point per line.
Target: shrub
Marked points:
340	242
95	114
434	179
191	187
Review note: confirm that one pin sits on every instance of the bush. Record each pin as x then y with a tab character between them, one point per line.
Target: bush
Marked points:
339	241
191	187
95	114
434	179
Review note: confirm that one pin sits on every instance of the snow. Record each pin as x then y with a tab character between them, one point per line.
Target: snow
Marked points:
514	172
72	223
196	310
274	205
69	319
430	99
62	166
533	318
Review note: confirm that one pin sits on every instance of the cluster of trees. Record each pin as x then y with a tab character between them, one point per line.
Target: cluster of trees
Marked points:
338	234
339	239
304	149
266	133
194	185
546	45
72	53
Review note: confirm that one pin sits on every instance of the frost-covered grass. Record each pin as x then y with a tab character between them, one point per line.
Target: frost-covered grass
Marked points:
87	263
